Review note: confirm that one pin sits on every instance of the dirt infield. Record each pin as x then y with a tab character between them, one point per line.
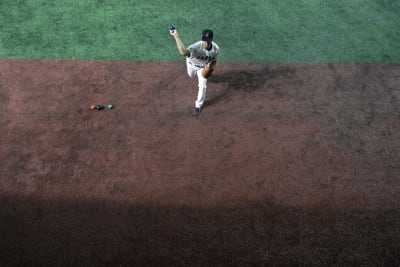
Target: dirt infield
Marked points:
287	165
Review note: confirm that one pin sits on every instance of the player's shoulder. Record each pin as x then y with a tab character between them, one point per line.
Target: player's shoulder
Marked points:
195	45
216	47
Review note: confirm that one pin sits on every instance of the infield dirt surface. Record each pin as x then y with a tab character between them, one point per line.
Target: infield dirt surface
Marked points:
288	164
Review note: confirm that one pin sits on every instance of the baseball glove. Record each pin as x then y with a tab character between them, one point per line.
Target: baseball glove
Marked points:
207	70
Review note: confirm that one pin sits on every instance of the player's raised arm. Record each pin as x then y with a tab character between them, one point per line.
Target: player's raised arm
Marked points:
181	47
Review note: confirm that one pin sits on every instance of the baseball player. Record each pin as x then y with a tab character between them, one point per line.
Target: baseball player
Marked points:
201	58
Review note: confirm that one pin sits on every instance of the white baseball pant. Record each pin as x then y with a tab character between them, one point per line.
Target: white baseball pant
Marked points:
201	94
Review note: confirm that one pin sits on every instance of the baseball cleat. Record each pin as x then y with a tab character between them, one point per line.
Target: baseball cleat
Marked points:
196	112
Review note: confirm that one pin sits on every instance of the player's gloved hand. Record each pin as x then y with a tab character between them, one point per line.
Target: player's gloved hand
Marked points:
207	70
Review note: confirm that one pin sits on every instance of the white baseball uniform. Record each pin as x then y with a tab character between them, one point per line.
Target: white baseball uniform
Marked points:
198	59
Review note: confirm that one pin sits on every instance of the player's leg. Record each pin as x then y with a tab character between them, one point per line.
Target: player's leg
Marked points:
191	71
201	95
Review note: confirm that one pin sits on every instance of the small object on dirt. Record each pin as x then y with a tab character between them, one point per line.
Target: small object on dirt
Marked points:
99	107
110	106
93	107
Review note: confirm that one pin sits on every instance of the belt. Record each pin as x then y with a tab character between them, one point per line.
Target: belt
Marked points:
195	65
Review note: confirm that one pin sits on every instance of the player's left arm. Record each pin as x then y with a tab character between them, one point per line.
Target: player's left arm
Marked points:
213	63
208	69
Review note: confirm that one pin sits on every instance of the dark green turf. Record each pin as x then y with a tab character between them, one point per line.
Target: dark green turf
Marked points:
252	31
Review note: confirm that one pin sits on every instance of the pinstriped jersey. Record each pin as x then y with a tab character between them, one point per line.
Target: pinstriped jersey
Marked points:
200	56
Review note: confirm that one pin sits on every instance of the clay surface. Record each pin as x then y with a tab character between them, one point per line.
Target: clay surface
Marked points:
288	164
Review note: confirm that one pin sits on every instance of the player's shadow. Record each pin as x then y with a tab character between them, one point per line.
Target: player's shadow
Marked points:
246	81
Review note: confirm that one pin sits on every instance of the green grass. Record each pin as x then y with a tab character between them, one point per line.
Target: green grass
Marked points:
251	31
